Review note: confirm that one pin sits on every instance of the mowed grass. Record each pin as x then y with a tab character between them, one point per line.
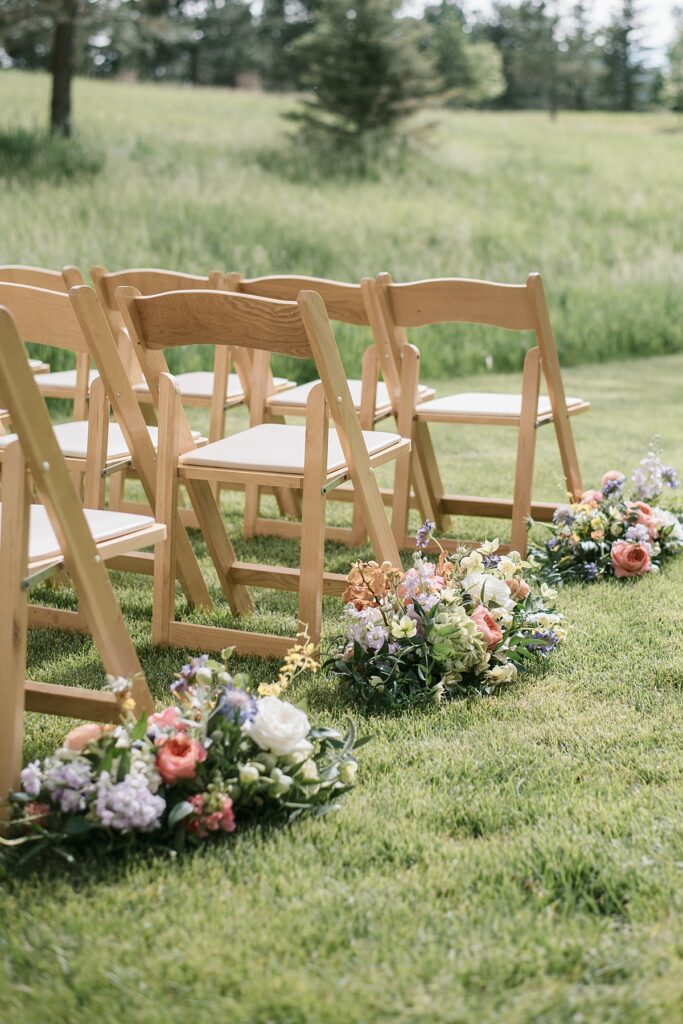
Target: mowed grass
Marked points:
513	860
205	179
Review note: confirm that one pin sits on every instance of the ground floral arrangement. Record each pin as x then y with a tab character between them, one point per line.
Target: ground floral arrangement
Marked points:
217	759
468	623
609	534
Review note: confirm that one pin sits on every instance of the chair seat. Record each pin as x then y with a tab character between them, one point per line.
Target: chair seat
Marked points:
104	525
298	396
72	439
198	384
473	405
38	366
277	448
62	381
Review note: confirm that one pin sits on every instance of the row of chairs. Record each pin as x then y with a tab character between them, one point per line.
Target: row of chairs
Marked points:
125	331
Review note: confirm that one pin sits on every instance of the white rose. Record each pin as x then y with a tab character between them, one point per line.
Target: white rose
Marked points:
664	518
279	727
484	589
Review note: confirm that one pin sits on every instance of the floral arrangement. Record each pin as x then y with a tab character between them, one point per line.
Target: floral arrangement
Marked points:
216	759
608	534
469	622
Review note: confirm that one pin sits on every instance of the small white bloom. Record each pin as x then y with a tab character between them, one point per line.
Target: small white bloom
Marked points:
472	562
500	674
490	547
348	772
280	781
403	627
309	770
548	592
279	727
485	589
203	674
507	568
249	773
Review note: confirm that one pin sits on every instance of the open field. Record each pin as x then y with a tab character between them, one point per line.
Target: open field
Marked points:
515	860
203	179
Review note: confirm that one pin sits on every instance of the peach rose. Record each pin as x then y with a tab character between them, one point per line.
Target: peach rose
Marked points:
487	626
629	559
610	475
646	516
82	735
592	496
519	589
169	718
178	757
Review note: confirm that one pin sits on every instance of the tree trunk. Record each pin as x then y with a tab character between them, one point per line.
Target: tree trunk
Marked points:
63	69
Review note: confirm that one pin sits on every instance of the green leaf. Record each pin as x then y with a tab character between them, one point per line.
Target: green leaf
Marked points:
180	811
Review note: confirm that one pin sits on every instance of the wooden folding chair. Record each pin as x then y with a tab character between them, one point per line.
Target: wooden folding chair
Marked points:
37	540
376	395
396	307
311	459
72	385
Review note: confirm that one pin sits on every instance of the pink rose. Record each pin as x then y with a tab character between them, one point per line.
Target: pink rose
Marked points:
169	718
610	475
630	559
488	627
82	735
646	516
592	496
178	757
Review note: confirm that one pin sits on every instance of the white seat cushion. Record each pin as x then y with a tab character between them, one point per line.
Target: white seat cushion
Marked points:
37	365
104	525
486	403
63	379
199	384
277	448
72	439
299	396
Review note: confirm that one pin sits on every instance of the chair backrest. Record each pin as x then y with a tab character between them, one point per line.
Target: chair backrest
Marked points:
31	422
39	277
300	329
344	302
459	300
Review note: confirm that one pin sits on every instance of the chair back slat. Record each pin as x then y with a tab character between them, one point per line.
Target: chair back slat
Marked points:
219	318
37	277
44	317
457	300
343	301
146	281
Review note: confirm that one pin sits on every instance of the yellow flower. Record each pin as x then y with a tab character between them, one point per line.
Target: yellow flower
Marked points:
269	690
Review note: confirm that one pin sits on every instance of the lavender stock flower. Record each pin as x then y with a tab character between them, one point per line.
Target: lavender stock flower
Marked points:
31	778
237	704
129	804
548	641
424	534
187	673
590	571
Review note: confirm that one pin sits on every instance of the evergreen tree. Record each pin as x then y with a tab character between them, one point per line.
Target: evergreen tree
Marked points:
580	61
672	92
469	72
526	35
363	69
623	64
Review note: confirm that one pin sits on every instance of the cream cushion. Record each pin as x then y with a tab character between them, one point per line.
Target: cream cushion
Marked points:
299	396
72	439
199	384
103	524
64	380
485	403
277	448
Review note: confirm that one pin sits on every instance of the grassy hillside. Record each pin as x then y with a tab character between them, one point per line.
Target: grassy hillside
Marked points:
204	179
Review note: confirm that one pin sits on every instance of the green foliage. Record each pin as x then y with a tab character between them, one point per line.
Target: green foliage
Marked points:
470	73
363	69
672	93
510	860
27	157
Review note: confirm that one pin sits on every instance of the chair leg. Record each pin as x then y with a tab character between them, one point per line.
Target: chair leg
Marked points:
405	423
313	516
163	607
13	619
424	449
526	450
368	403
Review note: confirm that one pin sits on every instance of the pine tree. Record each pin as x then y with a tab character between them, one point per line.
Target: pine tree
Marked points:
623	65
672	92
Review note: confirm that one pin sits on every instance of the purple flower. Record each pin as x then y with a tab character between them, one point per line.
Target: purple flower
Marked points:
187	673
491	561
237	705
128	805
424	534
563	515
70	784
670	476
31	778
547	642
552	543
590	571
638	534
612	487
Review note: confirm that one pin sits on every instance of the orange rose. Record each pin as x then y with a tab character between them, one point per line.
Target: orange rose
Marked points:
519	589
178	758
629	559
487	626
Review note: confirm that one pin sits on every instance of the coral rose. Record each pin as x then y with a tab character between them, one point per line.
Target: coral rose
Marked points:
630	559
82	735
487	626
178	758
646	516
519	589
169	718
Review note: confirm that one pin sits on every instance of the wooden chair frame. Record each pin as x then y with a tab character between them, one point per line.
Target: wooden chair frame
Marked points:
397	307
345	303
56	281
259	325
36	453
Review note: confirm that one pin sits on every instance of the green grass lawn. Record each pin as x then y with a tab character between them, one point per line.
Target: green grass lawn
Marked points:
203	179
504	860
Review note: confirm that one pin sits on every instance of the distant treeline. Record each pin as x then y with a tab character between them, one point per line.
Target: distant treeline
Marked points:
530	54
